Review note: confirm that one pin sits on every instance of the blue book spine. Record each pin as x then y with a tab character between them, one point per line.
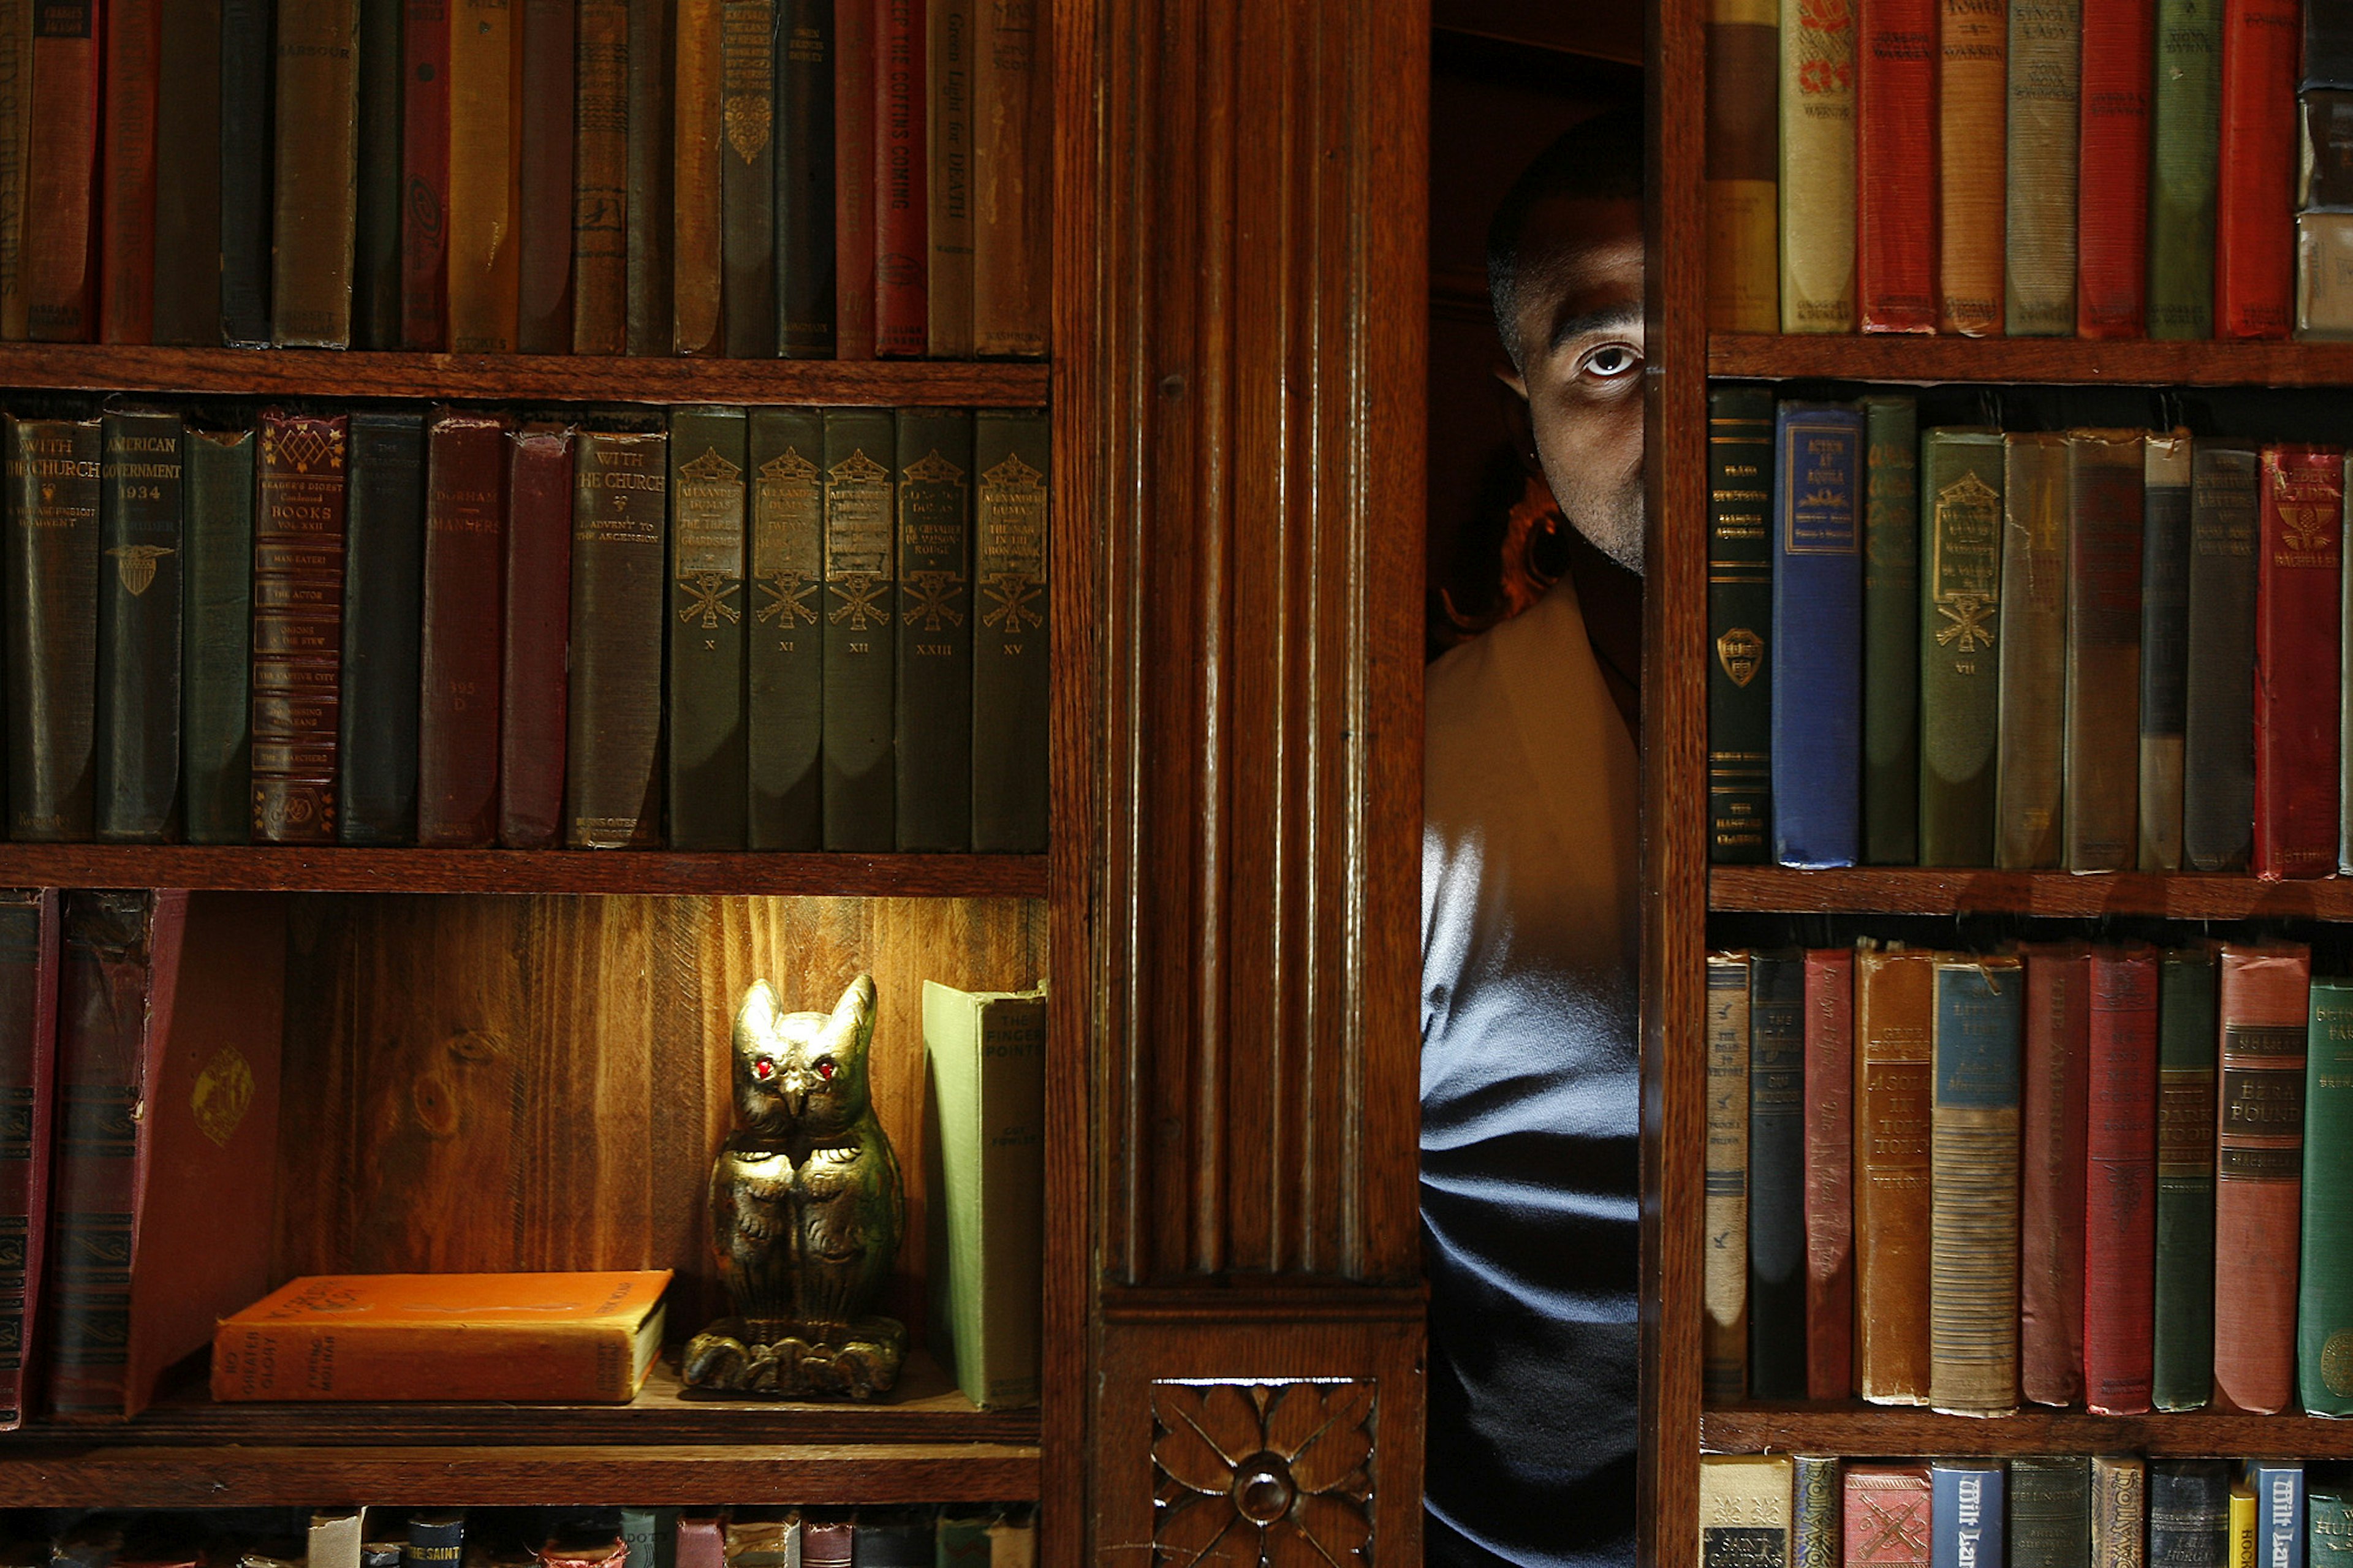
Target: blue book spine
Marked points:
1965	1513
2279	1513
1817	642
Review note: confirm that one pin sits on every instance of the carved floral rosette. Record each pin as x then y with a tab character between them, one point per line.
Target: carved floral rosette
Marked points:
1276	1473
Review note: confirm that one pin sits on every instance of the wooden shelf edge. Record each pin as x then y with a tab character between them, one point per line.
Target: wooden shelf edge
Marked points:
2190	895
585	378
332	869
1862	1431
1905	357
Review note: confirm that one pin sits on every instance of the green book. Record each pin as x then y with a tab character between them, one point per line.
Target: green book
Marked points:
52	563
963	1541
933	718
2324	1318
861	448
2187	1032
2328	1517
215	637
1739	620
784	722
2050	1513
138	749
1891	632
2039	197
706	784
2181	177
1960	649
987	1053
1012	568
2027	780
651	1536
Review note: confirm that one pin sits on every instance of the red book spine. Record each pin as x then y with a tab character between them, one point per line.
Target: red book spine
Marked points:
2112	179
465	569
126	287
2120	1170
902	239
2297	652
425	177
854	53
1829	1173
1887	1516
535	685
28	1035
2053	1103
2254	202
2259	1174
58	292
1895	210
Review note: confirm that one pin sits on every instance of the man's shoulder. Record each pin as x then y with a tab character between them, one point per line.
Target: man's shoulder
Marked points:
1476	685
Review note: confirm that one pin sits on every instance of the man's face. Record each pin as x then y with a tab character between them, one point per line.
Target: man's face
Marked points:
1578	331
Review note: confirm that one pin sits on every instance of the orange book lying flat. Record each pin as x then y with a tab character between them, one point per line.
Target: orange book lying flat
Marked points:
573	1337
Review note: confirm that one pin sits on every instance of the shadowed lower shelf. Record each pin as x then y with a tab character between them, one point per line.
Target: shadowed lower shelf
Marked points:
1888	1431
1890	891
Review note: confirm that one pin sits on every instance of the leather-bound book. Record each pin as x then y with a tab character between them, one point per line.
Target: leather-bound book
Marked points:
318	169
465	576
2182	1352
2053	1094
1895	995
1960	643
2101	828
2254	231
826	1541
1012	252
1974	1185
2218	766
186	295
2296	692
785	664
2164	643
2330	1512
217	628
2188	1513
2265	992
653	51
2120	1170
2111	181
544	180
1829	1173
1895	211
139	590
1012	569
2028	787
2325	1291
861	557
612	754
16	160
2050	1512
60	295
1965	1513
52	566
1740	618
747	176
248	76
2039	214
895	1538
932	728
1724	1272
2182	173
533	685
377	210
1886	1516
948	61
1744	50
384	609
708	785
855	49
2119	1511
1891	629
485	175
902	236
28	1025
298	626
697	248
1816	625
1817	176
126	218
600	179
425	176
1776	1175
1814	1540
1972	109
806	194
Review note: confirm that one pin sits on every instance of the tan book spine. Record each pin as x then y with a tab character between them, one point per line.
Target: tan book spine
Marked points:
1724	1278
2119	1511
16	161
2028	781
485	172
1744	1510
600	181
1972	91
1742	206
1817	180
1895	992
1012	275
695	239
2045	37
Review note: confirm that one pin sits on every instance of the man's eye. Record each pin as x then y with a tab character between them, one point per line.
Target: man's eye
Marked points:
1609	361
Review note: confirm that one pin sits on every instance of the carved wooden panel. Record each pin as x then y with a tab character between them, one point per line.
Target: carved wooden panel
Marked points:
1278	1473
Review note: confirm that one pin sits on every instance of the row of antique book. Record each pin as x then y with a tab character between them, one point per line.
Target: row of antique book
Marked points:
2064	1511
779	628
810	178
2093	648
1961	1179
2086	168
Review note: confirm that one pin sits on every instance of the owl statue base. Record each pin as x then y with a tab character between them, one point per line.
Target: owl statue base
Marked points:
795	1360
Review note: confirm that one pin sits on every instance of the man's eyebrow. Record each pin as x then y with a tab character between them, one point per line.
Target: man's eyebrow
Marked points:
1625	313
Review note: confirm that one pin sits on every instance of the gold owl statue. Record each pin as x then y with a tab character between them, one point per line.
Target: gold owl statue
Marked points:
806	1210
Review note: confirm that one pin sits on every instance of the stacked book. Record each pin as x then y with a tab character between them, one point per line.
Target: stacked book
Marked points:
751	178
780	628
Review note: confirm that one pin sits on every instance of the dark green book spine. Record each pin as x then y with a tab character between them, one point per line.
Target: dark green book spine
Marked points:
248	76
933	714
375	257
384	609
2218	768
1739	620
1961	647
747	178
804	176
216	631
786	725
2188	1033
2188	1513
2050	1513
2324	1319
2328	1513
1891	632
139	628
861	548
2182	115
52	626
707	782
1776	1176
1013	570
612	759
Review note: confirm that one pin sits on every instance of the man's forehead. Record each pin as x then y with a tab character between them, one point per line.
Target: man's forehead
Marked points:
1579	258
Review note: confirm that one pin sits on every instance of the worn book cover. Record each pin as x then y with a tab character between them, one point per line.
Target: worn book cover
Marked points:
1743	167
1817	174
2120	1167
1817	688
1894	1013
2112	182
2053	1100
1960	643
1973	1182
1776	1175
1740	616
2325	1293
1724	1275
1829	1173
1891	630
2039	218
2164	643
2188	1028
2106	536
2028	785
2265	994
1972	93
2218	765
2297	687
138	610
1743	1510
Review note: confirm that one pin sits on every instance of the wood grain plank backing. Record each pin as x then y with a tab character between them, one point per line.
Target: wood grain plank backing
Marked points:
1866	1431
595	378
2188	895
2122	362
522	1083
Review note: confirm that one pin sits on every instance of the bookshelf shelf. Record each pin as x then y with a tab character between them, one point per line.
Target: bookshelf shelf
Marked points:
1892	1431
518	378
2120	362
2051	894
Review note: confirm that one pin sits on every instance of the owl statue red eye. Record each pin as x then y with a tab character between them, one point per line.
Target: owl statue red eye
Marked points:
764	1068
825	1068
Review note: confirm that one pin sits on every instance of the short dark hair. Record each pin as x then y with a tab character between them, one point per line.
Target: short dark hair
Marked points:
1599	159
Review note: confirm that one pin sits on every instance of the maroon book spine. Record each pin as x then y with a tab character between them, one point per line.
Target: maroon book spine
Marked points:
902	235
2301	554
28	1036
298	626
1895	196
1829	1173
2120	1186
536	684
545	223
58	295
2254	201
2053	1100
465	569
854	53
425	177
2112	164
126	287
